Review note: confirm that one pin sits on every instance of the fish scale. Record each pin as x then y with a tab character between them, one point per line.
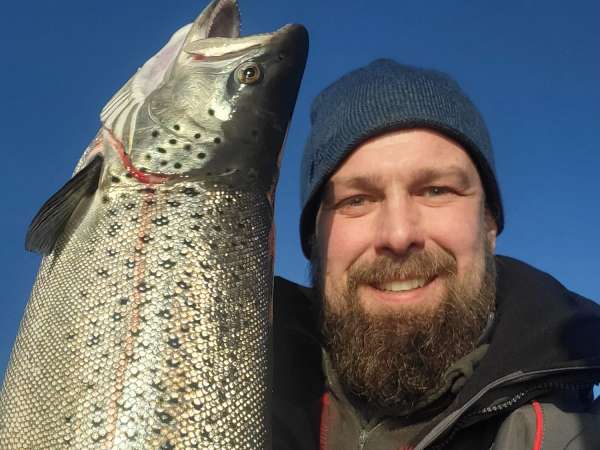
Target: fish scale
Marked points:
170	353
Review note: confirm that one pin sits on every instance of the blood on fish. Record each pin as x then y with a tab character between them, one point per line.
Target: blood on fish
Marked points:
117	145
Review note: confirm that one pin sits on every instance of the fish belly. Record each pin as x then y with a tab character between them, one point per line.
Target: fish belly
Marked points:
148	327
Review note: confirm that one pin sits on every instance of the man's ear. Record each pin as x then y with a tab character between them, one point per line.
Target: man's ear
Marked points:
491	230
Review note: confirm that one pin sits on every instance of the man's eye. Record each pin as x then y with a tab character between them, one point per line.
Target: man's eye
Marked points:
352	202
436	191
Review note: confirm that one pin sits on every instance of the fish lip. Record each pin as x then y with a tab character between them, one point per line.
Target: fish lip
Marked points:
290	26
293	28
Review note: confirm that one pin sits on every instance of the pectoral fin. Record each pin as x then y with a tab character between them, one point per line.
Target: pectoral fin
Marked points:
51	219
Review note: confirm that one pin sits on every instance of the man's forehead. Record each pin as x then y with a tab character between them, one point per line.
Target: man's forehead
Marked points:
414	153
431	173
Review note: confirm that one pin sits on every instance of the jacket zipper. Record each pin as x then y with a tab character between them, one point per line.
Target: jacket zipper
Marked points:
362	438
364	434
455	418
510	404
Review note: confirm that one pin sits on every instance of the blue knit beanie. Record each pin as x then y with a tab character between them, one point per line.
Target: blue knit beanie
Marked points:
381	97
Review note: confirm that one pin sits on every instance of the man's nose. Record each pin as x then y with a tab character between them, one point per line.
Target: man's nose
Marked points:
399	227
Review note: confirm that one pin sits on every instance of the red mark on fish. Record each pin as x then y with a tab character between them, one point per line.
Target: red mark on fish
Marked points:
147	178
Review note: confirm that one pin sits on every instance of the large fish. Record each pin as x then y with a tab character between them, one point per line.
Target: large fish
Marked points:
149	322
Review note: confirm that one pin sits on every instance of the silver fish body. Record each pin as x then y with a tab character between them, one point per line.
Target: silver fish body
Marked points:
148	326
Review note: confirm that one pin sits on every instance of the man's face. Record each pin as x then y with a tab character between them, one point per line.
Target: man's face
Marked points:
400	194
403	257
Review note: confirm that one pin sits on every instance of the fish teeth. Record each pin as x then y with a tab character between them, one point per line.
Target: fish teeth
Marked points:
401	286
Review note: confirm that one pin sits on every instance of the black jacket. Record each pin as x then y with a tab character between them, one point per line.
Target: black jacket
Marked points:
545	345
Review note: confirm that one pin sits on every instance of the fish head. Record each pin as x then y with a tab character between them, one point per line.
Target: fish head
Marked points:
215	106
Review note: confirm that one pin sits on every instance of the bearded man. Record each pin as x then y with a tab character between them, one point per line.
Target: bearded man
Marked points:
414	335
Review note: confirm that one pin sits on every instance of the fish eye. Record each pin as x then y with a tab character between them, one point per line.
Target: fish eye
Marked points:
249	73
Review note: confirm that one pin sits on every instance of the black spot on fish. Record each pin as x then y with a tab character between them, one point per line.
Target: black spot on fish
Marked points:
189	243
115	179
174	342
205	435
201	155
161	150
123	301
105	199
172	363
190	192
103	273
211	112
167	445
130	264
128	175
187	147
160	221
217	140
176	127
155	133
195	228
197	403
93	340
173	203
172	141
177	165
130	206
111	252
166	264
165	314
142	287
159	386
143	169
116	317
163	163
217	228
146	238
148	156
113	229
197	136
183	285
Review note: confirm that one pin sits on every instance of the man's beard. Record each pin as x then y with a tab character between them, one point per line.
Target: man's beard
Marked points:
395	358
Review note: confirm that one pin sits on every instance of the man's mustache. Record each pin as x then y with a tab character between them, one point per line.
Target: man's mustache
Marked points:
425	264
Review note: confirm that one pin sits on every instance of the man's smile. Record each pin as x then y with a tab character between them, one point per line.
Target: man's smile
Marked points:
397	292
402	285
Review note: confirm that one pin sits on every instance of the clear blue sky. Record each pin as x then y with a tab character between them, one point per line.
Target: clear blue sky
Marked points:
531	66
